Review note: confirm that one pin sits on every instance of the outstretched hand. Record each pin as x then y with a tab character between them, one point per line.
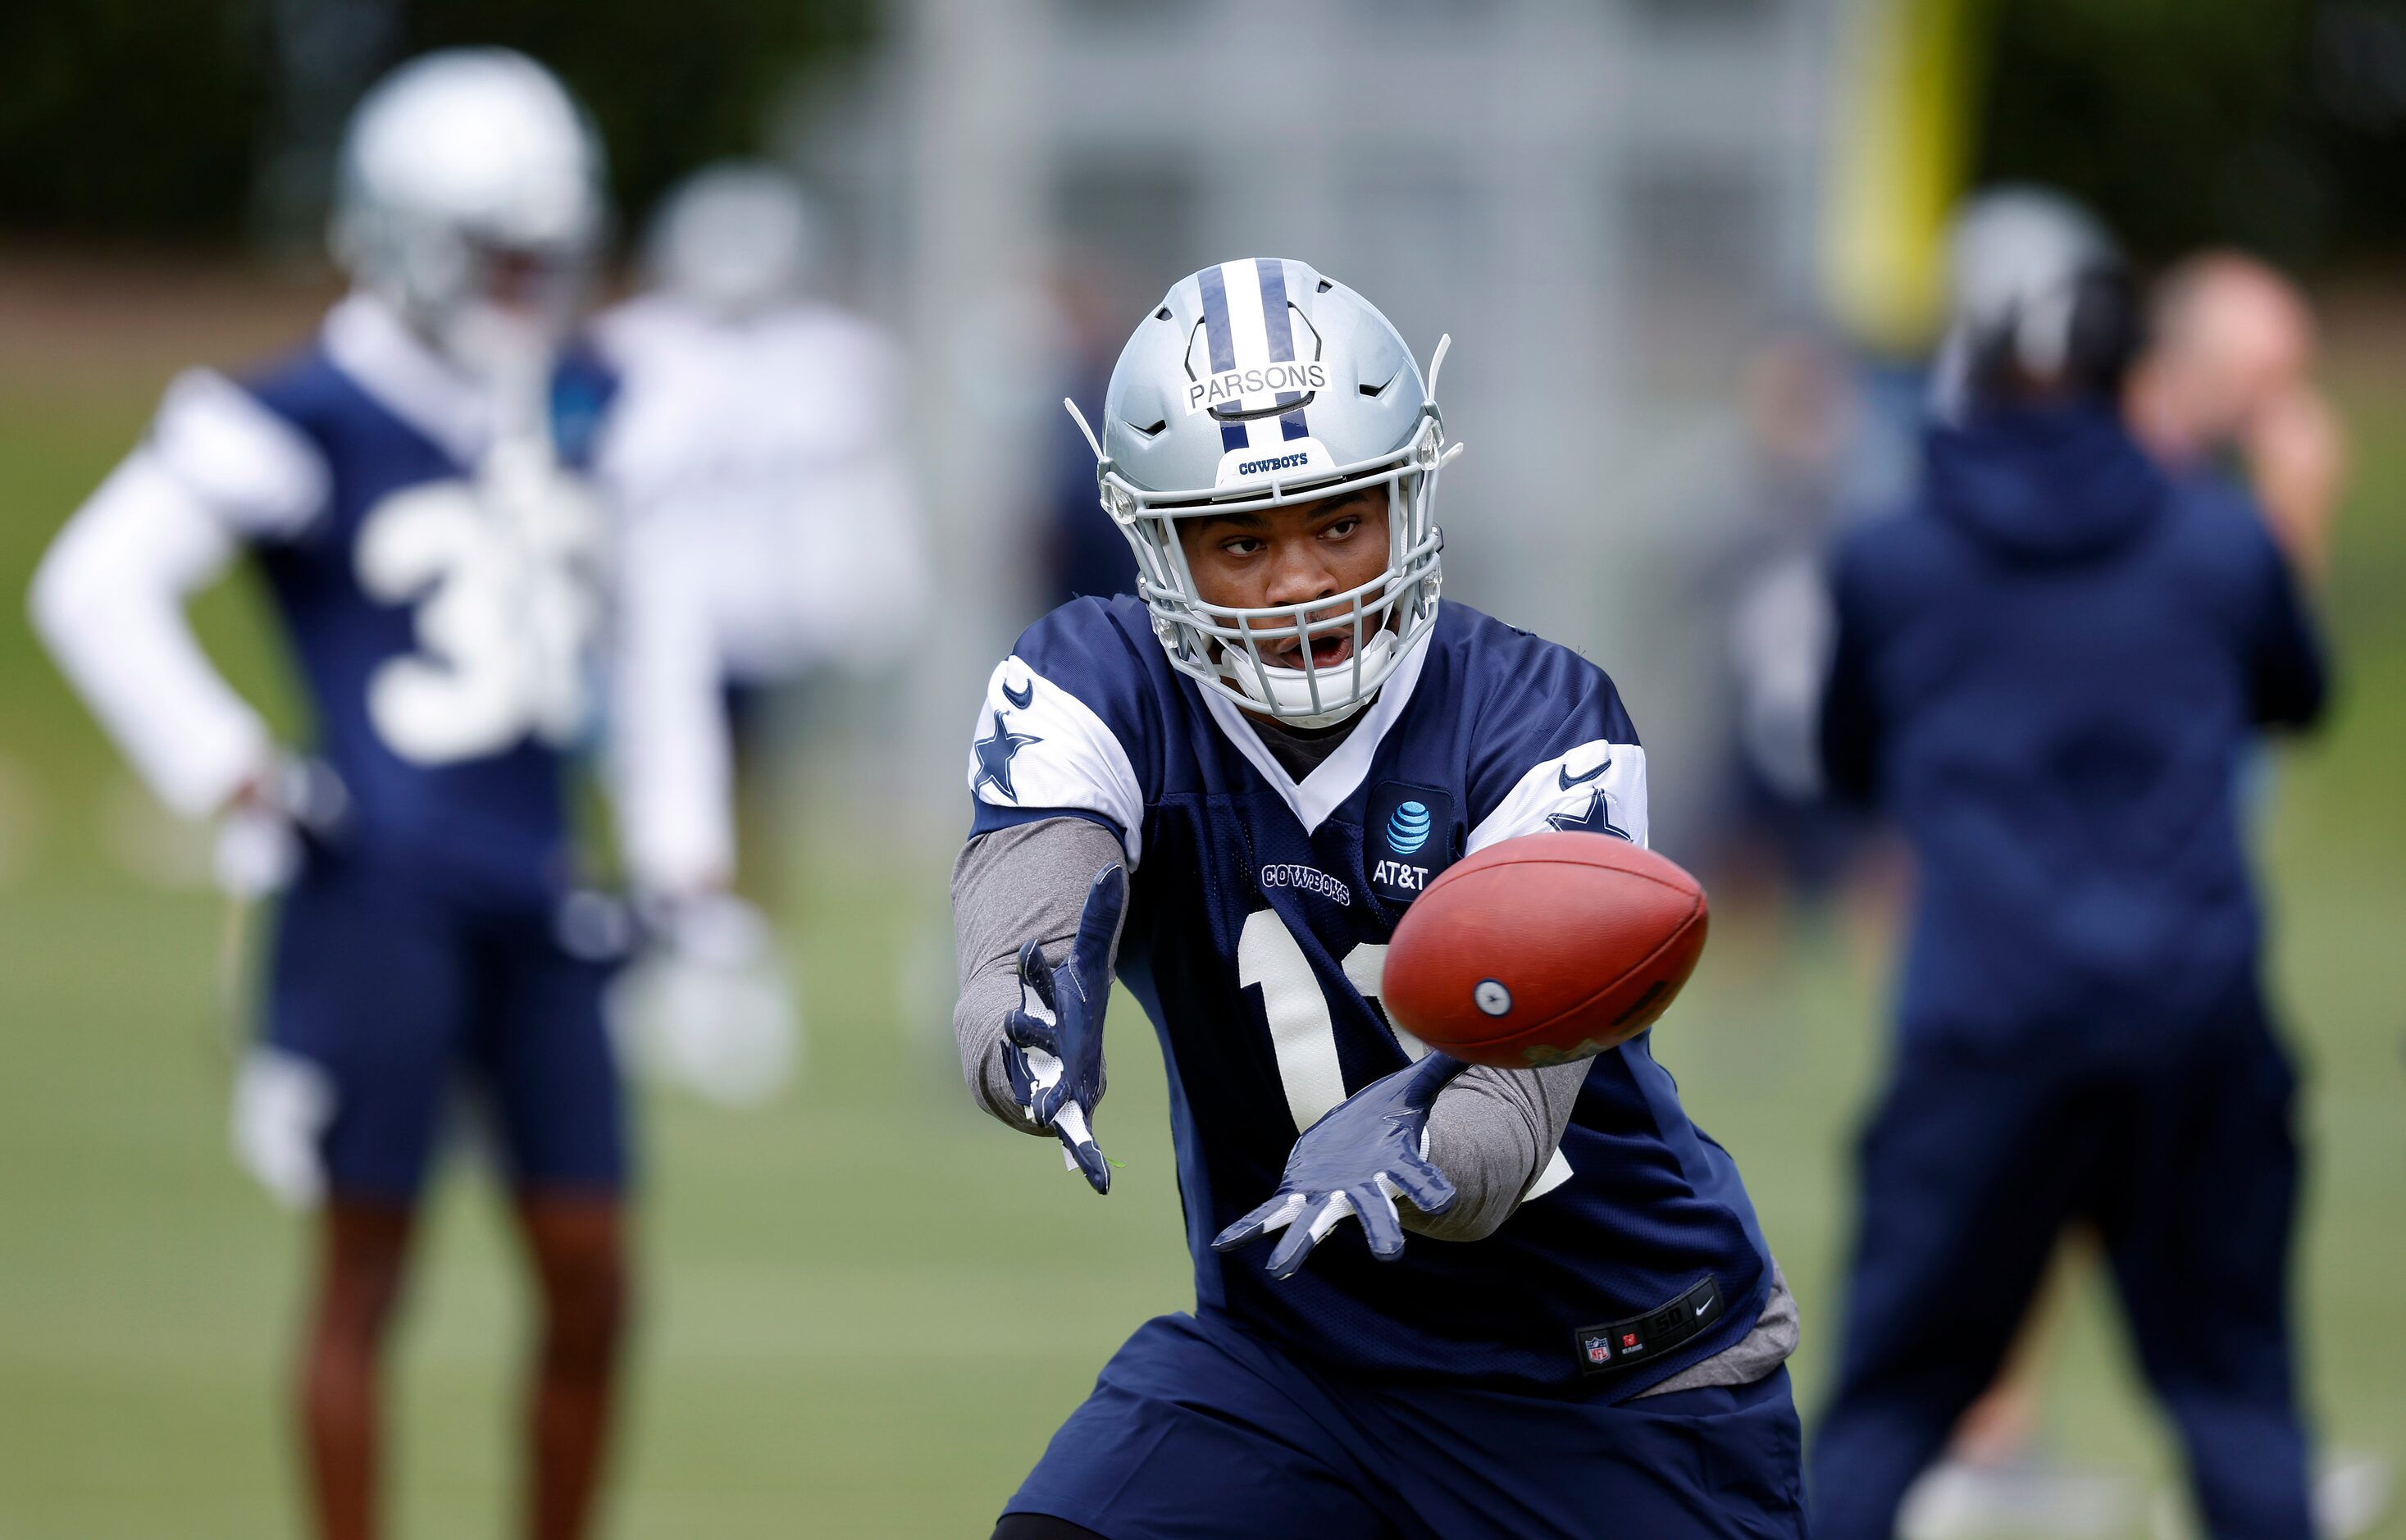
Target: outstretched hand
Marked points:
1052	1046
1369	1151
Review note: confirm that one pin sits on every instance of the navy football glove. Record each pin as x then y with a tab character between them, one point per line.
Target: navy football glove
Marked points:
1054	1042
1369	1150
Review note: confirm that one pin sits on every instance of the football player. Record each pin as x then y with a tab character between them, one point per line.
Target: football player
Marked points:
1226	790
405	484
769	530
2048	672
755	449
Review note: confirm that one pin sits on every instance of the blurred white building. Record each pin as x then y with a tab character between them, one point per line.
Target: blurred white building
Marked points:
1603	201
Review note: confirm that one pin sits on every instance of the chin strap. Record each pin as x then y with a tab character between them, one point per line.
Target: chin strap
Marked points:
1325	719
1252	685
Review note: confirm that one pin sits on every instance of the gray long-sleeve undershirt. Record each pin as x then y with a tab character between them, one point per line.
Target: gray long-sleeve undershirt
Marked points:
1491	1131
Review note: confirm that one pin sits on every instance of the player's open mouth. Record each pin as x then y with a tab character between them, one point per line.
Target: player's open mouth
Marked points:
1326	652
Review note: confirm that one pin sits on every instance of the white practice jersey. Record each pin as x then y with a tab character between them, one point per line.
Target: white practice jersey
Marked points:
770	529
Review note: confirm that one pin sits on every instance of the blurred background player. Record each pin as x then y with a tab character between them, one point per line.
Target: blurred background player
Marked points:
1081	550
2227	385
1763	574
2047	672
757	459
408	484
1995	1477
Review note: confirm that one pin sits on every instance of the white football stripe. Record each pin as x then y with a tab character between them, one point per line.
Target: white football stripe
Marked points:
1248	339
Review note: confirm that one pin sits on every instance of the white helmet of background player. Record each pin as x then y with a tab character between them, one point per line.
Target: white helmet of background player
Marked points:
470	195
734	238
2037	290
1252	385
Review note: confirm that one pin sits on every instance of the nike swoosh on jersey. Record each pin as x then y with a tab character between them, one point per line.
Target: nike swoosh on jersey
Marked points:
1564	777
1022	697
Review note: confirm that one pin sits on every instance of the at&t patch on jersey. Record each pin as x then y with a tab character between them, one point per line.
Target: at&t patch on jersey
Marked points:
1407	838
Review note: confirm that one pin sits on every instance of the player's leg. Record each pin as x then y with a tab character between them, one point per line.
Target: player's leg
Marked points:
577	1245
1997	1429
1969	1171
1197	1431
363	1247
2200	1235
368	985
554	1087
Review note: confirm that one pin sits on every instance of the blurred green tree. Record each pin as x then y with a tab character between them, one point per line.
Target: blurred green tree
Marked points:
671	84
182	120
2278	124
130	119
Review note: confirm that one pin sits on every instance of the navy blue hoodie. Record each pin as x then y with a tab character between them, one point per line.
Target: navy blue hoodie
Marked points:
2047	672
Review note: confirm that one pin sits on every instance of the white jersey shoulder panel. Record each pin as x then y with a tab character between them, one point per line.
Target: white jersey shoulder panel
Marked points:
1036	745
251	469
1598	787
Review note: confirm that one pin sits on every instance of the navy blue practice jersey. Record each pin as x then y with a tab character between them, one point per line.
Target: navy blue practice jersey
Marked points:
1259	916
442	613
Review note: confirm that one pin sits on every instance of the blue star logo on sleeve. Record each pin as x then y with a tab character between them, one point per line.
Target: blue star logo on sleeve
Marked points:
1595	819
993	757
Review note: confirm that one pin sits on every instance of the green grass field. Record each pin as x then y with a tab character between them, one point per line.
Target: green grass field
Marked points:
866	1310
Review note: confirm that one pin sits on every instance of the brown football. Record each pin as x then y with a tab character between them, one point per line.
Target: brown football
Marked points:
1544	948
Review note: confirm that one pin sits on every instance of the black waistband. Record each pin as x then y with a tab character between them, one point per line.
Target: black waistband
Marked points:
1618	1345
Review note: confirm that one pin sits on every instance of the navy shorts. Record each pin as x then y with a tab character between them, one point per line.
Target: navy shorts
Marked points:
408	997
1199	1429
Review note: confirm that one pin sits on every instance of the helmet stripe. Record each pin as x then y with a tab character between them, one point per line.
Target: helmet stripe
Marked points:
1221	338
1277	322
1250	337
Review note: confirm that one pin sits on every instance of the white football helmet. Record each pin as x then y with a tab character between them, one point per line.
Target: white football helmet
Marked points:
2019	261
734	238
471	197
1252	385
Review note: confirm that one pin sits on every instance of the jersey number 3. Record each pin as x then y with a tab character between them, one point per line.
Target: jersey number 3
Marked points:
501	623
1303	1034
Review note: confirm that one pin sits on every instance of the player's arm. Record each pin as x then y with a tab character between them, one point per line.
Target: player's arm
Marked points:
1036	912
890	588
1459	1144
1058	808
107	599
108	602
670	761
1492	1132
